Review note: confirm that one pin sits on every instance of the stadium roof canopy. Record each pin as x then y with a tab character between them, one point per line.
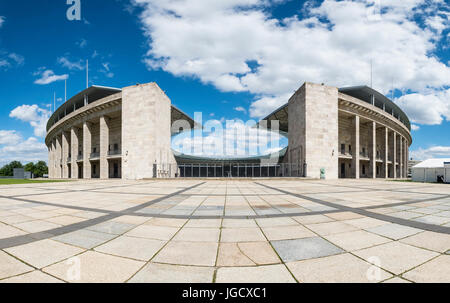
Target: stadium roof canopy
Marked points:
183	158
363	93
95	93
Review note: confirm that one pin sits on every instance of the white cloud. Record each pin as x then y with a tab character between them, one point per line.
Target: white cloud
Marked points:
33	114
431	108
431	152
17	58
82	43
331	43
240	109
14	147
71	65
235	139
265	105
415	127
9	137
107	70
29	150
8	60
48	76
4	63
11	60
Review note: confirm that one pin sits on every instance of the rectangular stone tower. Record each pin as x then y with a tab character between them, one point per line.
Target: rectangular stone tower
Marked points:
146	135
313	129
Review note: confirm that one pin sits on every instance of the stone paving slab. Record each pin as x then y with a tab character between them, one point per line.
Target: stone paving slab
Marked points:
153	232
330	228
435	271
355	240
133	248
397	257
260	274
301	249
10	266
43	253
198	235
84	238
166	273
32	277
188	253
394	231
244	234
95	267
343	268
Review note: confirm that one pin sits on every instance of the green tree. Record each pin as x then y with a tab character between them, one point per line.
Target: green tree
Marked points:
8	169
30	167
40	169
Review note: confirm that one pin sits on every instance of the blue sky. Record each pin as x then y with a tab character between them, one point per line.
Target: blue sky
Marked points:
226	58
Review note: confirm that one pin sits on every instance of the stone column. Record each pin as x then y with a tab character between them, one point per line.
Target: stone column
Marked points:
406	157
401	157
55	159
355	143
386	152
394	139
50	161
104	147
65	154
87	147
373	151
58	156
53	164
74	151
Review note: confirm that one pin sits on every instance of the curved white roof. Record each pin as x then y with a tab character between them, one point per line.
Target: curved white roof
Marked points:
432	163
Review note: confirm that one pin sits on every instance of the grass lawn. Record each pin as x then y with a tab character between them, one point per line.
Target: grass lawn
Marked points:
19	181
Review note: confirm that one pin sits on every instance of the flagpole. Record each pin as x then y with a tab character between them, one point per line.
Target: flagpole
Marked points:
87	73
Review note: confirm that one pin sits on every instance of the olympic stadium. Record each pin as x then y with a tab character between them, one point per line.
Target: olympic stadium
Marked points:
352	132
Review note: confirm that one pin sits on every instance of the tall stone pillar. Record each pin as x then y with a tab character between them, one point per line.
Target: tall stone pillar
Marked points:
53	168
315	133
373	151
406	157
65	154
401	157
146	130
50	161
74	152
386	152
58	156
356	148
394	148
104	147
87	148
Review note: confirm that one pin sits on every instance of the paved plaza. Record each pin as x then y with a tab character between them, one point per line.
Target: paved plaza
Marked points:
225	231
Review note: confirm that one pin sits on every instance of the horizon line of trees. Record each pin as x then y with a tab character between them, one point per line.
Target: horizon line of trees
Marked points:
38	169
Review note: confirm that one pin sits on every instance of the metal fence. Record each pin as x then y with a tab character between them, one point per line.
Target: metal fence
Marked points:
233	170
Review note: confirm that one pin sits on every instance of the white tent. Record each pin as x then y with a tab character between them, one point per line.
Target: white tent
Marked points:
430	170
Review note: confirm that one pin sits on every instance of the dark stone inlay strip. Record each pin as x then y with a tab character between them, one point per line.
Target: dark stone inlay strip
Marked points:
25	239
399	190
360	211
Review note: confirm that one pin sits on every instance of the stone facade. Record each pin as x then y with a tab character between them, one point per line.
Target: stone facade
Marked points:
146	131
313	129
